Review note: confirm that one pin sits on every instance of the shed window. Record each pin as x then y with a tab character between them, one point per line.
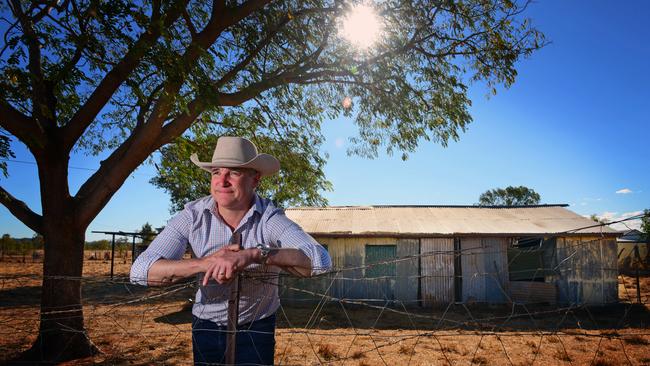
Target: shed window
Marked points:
530	259
380	253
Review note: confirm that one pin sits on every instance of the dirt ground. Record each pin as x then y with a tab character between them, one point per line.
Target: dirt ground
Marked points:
137	326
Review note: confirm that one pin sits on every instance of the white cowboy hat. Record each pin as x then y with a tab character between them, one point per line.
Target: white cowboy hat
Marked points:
238	152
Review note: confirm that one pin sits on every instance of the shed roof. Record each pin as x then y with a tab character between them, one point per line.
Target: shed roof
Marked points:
429	221
631	236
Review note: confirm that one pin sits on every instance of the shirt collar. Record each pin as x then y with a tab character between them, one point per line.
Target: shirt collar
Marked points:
258	206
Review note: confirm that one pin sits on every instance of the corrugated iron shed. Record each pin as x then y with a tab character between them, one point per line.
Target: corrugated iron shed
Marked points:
441	221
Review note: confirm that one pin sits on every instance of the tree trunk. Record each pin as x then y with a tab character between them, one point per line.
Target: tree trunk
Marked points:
62	335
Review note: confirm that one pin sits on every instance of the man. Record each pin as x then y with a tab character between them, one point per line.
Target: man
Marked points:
269	242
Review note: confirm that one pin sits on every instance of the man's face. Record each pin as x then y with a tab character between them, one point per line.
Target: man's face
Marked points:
234	188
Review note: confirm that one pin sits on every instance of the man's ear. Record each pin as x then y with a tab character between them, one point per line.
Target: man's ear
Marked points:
256	179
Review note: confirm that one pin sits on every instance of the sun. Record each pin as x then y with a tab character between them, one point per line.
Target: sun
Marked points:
361	26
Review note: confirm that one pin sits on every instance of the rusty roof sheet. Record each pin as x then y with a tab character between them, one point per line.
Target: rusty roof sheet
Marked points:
443	220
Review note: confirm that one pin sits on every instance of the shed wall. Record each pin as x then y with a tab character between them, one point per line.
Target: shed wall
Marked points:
484	263
627	260
587	270
408	279
347	280
584	270
437	271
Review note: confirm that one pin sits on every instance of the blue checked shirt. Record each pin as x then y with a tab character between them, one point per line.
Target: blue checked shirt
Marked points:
200	226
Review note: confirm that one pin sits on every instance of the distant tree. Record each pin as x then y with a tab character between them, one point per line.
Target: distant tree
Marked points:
597	219
98	244
510	196
37	241
5	244
147	234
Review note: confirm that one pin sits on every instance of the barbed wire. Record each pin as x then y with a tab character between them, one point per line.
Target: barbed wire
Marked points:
342	330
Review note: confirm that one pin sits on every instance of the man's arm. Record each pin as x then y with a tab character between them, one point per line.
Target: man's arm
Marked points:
224	265
167	271
293	249
291	260
167	248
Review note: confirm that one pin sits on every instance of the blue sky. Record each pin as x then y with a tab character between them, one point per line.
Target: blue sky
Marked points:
574	127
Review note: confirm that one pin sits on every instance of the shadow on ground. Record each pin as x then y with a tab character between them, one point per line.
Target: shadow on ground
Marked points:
474	317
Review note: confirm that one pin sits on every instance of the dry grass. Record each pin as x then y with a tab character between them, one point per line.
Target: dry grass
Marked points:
561	355
327	351
480	360
611	333
450	348
158	331
605	362
553	339
636	340
406	350
531	344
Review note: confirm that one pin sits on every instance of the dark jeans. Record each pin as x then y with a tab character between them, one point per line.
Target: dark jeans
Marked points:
255	342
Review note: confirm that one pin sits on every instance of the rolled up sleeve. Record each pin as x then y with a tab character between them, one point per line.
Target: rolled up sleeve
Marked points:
288	234
169	244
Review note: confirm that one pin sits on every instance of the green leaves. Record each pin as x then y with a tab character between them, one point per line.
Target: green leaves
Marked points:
5	152
273	74
510	196
284	122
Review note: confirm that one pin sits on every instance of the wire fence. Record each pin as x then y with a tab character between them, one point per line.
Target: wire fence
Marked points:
367	314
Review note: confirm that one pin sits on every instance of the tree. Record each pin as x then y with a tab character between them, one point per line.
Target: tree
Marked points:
510	196
147	234
298	183
6	242
131	77
597	219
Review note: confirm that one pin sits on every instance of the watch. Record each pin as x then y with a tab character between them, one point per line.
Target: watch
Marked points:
264	252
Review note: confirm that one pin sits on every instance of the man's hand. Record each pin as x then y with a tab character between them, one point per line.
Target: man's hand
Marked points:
224	265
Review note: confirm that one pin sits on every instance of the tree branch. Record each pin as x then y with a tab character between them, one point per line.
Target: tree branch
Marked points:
21	126
40	89
149	136
21	211
114	78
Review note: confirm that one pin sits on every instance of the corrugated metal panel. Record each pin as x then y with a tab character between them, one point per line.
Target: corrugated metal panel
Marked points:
381	254
496	265
533	292
350	283
484	263
474	269
421	221
587	270
437	268
406	282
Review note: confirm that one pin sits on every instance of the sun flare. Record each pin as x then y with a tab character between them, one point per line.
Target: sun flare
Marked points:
361	26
